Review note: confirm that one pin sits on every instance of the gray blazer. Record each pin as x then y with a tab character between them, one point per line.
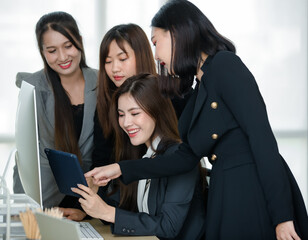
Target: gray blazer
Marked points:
45	114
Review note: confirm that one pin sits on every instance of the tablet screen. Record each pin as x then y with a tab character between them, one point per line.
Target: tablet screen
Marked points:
66	170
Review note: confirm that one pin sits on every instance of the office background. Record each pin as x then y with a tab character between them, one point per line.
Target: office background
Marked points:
270	36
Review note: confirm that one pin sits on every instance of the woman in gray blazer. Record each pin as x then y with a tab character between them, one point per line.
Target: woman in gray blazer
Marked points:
66	101
168	207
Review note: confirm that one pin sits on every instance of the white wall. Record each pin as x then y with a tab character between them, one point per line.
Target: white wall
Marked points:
270	36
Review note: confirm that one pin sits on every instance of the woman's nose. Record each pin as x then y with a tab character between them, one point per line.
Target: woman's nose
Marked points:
127	121
62	55
115	66
155	56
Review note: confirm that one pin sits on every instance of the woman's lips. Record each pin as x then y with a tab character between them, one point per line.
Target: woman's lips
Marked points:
65	65
118	78
132	132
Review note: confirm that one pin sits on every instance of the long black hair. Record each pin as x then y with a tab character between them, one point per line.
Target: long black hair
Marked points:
62	22
191	34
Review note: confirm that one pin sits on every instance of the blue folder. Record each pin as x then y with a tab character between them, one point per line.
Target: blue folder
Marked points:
66	170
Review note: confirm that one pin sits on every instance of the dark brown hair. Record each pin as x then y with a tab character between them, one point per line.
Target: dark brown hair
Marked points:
62	22
138	41
145	91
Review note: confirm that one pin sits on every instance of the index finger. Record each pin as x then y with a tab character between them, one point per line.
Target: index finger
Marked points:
91	173
102	182
85	189
82	193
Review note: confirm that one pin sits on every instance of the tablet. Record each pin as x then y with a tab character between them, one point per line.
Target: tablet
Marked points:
66	170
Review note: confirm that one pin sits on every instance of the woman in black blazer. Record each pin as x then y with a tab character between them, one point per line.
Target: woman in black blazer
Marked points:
169	207
124	51
252	193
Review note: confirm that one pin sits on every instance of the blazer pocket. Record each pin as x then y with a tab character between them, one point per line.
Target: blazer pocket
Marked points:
237	159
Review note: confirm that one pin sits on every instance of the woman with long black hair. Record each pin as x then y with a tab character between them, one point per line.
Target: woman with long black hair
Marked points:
66	101
252	192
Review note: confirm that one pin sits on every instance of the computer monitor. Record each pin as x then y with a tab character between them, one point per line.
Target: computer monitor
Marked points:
26	138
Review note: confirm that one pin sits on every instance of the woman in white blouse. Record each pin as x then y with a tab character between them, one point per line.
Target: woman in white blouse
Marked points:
170	207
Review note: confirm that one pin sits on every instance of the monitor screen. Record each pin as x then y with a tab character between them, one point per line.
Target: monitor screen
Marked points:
26	137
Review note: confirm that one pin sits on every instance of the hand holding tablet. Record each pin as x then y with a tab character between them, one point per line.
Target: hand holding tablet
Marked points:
66	170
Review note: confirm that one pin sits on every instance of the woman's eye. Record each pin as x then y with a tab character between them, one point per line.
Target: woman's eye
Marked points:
69	46
121	115
135	114
107	62
52	51
123	59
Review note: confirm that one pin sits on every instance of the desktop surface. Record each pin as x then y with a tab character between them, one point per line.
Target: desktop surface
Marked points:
105	231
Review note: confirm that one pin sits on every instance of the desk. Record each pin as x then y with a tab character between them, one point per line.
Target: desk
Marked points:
104	230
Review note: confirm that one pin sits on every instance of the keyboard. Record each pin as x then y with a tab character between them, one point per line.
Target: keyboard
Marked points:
88	232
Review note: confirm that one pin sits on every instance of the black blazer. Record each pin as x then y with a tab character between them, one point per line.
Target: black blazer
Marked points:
103	148
251	188
176	209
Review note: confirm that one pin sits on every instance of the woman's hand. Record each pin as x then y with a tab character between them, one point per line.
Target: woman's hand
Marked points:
102	175
286	231
93	205
73	214
91	185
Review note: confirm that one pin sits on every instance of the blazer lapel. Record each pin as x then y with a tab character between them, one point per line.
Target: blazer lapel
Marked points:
201	97
45	102
202	93
153	194
49	106
89	105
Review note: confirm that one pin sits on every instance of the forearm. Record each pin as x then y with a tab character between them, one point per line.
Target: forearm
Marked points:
143	224
181	161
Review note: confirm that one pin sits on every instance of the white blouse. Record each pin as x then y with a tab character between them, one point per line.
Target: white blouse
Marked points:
144	184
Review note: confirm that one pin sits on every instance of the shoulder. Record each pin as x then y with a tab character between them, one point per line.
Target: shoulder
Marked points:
90	72
227	73
37	79
171	148
222	64
226	65
90	76
225	59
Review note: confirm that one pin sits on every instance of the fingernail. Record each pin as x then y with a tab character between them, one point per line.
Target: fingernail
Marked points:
79	185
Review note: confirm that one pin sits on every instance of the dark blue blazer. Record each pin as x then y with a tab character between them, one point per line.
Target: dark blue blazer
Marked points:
251	187
176	209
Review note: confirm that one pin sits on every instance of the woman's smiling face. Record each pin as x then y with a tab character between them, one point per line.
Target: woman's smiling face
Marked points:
60	54
137	124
